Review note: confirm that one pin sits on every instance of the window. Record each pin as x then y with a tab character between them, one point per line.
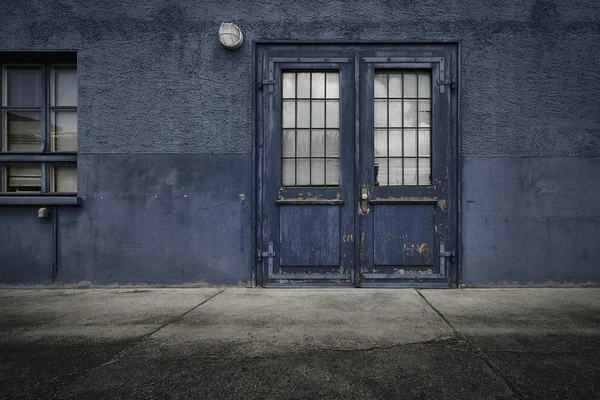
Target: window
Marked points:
38	116
311	128
402	127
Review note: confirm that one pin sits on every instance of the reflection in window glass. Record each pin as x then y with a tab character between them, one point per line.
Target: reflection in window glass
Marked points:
64	178
311	128
22	178
402	127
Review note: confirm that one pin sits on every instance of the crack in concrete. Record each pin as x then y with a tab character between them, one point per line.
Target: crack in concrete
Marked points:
515	392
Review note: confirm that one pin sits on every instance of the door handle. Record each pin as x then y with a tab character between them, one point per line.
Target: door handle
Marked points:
364	200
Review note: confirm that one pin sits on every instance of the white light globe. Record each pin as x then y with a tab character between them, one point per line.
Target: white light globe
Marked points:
230	35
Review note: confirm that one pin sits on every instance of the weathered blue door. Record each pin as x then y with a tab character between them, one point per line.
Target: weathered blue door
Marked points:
357	165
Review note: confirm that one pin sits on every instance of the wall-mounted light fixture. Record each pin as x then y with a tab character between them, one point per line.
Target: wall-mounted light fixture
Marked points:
230	35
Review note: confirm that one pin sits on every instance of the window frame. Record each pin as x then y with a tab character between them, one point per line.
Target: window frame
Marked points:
45	157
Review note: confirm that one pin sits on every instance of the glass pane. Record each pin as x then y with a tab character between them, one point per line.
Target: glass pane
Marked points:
410	171
424	142
381	113
318	143
395	85
24	86
302	172
303	89
396	113
410	113
289	114
318	114
424	84
318	85
333	143
65	86
26	178
303	143
333	171
424	113
23	130
381	85
395	143
410	143
317	172
289	85
64	131
381	142
333	114
288	172
381	172
303	114
288	144
424	171
64	178
333	85
410	85
395	174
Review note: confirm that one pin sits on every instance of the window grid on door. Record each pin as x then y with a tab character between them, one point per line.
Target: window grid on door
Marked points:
402	127
310	154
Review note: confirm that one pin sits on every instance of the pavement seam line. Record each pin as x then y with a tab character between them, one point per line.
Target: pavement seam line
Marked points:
516	393
142	338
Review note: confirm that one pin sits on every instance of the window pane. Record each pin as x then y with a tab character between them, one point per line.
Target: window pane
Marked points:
303	88
395	143
333	171
425	171
318	85
381	172
381	113
333	143
303	114
333	114
65	86
23	131
396	113
289	85
410	113
64	178
380	85
410	85
424	84
424	113
410	171
395	85
289	143
381	141
64	131
289	114
26	178
288	172
318	114
410	143
317	172
333	85
24	86
303	143
303	172
395	172
318	143
424	142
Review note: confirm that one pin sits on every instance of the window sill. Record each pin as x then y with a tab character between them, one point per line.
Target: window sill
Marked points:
40	200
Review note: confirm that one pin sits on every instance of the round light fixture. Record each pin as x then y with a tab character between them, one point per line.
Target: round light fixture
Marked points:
230	35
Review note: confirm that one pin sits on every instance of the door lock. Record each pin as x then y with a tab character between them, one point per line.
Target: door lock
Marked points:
364	197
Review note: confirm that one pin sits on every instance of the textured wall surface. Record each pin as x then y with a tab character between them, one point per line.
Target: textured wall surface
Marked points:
165	112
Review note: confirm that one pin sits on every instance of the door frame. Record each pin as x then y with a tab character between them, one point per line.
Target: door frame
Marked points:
333	46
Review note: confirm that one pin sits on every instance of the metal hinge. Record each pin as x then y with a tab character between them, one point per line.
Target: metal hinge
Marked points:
269	255
443	254
446	82
265	82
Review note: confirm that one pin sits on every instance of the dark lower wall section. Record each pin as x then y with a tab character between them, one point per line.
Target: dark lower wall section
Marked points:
153	219
26	246
528	219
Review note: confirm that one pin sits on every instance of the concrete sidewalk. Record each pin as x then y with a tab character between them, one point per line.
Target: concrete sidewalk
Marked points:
299	344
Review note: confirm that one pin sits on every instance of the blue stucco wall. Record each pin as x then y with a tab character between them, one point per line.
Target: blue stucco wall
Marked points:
166	137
